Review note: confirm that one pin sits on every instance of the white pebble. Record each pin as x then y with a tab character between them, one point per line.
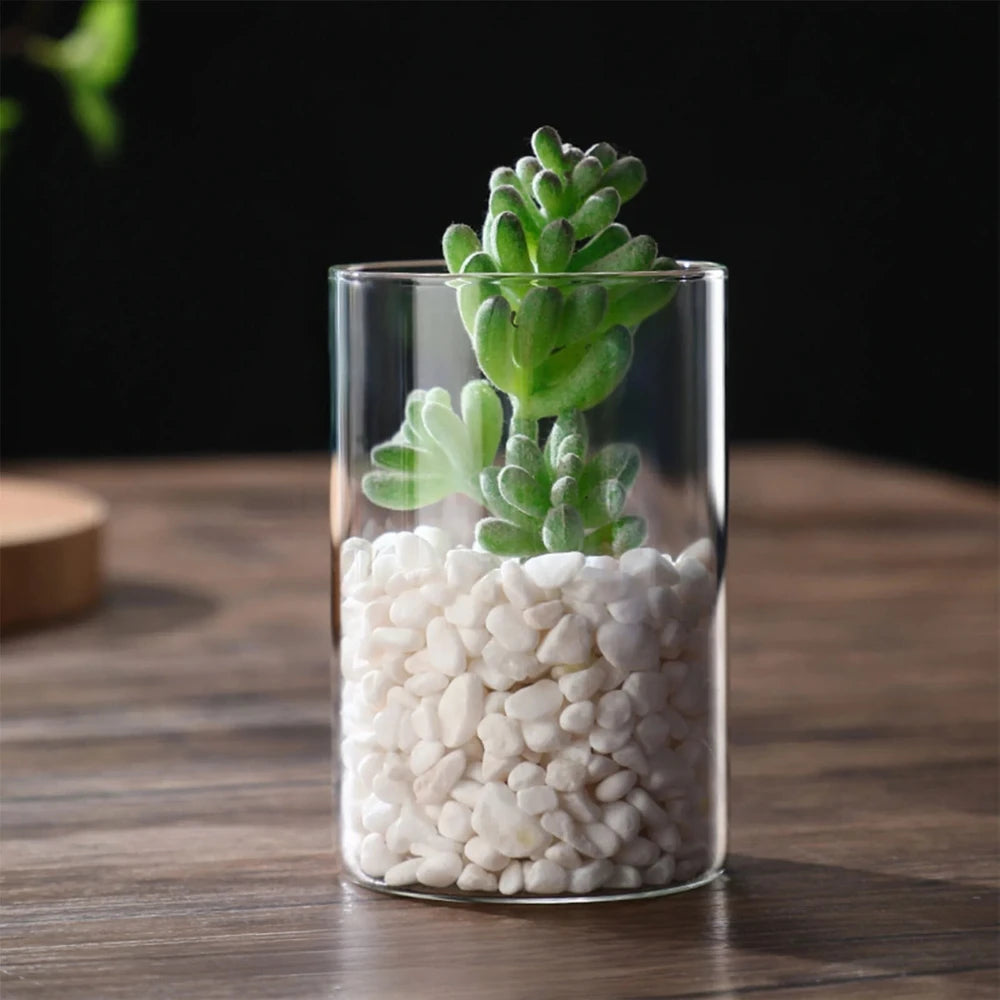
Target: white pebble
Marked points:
394	640
476	879
631	757
422	684
623	818
646	690
667	770
609	740
369	766
565	775
425	755
488	590
544	876
375	686
624	877
413	552
495	701
438	593
660	872
543	735
536	701
405	873
474	640
568	642
580	806
613	710
652	814
525	775
425	719
466	612
639	851
582	684
600	767
467	791
537	799
455	821
435	784
652	732
392	789
480	853
464	567
554	569
562	827
501	736
497	768
600	581
615	786
520	590
411	610
437	538
492	677
667	838
578	717
614	676
375	857
460	710
511	879
590	876
629	610
386	724
377	816
632	647
544	615
516	666
563	855
504	826
672	640
444	648
603	837
439	870
506	625
664	605
642	564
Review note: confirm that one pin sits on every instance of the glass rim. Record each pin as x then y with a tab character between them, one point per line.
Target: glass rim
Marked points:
395	270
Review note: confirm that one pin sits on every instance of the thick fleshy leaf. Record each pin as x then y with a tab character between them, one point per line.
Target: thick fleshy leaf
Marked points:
596	213
628	533
401	457
523	452
547	146
583	313
555	247
471	295
401	491
505	539
482	414
626	176
586	177
450	435
495	503
603	504
636	255
508	199
614	461
569	465
493	340
564	490
601	245
597	374
502	176
635	306
572	155
523	491
526	168
572	444
604	152
567	424
548	191
459	243
563	529
512	246
537	325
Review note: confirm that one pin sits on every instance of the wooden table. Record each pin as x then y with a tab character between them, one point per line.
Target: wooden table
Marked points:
166	813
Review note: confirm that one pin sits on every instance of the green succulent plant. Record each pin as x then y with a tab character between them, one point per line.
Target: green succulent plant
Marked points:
544	292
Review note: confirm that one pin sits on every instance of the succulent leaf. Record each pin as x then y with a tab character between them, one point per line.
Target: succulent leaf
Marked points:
601	245
626	176
596	213
537	326
483	416
563	529
548	148
555	246
459	243
505	539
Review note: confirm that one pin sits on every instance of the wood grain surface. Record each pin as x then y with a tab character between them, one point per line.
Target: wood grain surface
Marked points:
166	822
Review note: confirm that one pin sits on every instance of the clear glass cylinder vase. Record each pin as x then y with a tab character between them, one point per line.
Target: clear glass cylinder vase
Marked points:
529	538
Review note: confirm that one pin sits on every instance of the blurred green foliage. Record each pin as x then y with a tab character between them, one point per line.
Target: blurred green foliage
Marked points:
90	61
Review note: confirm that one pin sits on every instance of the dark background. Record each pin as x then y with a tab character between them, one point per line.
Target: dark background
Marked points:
841	159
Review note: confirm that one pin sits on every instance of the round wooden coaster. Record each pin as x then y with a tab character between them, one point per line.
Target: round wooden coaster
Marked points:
50	551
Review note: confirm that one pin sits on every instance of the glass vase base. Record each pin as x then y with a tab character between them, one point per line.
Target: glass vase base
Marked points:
490	898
